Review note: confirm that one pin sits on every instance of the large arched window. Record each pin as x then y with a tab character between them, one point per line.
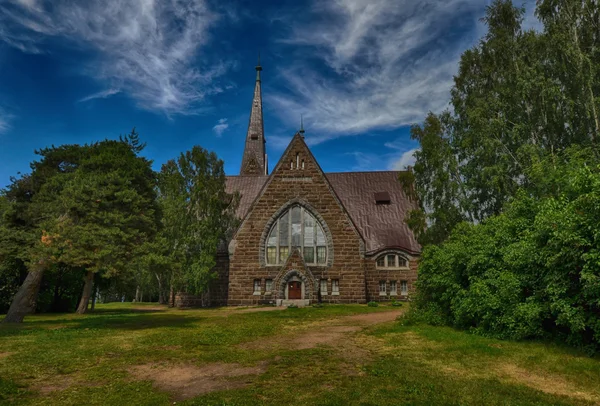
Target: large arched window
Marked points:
296	228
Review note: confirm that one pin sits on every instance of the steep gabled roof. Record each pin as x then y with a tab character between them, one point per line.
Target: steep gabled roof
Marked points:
381	225
248	187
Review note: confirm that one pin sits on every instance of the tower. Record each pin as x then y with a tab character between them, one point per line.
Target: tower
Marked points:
254	161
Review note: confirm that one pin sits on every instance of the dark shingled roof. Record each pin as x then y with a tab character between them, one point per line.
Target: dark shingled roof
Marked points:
381	225
249	187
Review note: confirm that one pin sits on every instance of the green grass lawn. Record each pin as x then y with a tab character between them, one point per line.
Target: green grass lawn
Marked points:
147	354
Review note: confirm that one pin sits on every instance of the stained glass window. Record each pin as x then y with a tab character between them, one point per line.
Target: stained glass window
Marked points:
296	228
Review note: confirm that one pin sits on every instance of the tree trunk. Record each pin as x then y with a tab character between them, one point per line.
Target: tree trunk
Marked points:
87	293
94	297
171	296
137	294
161	293
26	298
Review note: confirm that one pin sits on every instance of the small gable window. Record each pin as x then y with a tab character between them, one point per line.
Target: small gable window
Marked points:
382	198
391	261
296	229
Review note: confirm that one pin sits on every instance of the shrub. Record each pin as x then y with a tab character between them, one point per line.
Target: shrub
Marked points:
372	304
531	272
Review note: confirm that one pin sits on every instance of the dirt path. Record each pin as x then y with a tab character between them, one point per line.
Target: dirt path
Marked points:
331	332
185	381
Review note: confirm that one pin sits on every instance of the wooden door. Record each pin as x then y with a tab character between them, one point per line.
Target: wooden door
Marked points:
294	290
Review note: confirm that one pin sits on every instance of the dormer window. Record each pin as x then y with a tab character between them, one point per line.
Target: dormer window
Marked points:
382	198
392	261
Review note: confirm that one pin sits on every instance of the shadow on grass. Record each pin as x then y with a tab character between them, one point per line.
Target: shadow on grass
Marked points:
111	320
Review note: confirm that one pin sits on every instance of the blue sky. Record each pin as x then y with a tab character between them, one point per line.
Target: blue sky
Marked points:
182	72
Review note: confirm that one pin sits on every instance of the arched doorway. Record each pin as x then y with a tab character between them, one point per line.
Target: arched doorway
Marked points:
294	289
294	286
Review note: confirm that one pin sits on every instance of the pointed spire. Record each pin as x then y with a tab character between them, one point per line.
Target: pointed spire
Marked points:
301	125
258	69
254	158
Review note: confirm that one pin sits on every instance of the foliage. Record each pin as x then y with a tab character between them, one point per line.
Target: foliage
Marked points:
396	303
198	215
373	304
519	97
532	271
82	209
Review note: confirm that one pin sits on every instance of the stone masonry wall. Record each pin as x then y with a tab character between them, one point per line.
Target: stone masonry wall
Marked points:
308	185
375	275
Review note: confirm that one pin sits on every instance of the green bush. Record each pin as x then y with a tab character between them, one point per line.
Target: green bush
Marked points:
532	271
372	304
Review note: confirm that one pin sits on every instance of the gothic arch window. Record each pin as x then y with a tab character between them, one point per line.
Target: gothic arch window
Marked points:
296	228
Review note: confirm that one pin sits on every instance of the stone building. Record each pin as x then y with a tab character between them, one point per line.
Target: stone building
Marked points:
308	236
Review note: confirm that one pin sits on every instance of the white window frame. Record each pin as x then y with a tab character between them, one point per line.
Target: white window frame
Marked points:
255	285
384	291
335	287
393	288
267	283
403	285
321	282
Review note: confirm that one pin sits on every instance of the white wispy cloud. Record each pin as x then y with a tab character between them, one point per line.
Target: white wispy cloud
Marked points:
150	49
220	127
376	64
100	95
406	159
5	119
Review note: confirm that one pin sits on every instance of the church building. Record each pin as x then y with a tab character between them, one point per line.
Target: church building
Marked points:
307	236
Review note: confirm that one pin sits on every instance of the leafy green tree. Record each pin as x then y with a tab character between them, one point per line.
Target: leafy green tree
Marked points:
519	96
198	215
436	183
85	207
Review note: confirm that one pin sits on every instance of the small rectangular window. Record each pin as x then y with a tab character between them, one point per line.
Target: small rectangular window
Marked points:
268	285
335	286
404	288
393	288
391	261
382	198
381	262
382	291
323	287
257	286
